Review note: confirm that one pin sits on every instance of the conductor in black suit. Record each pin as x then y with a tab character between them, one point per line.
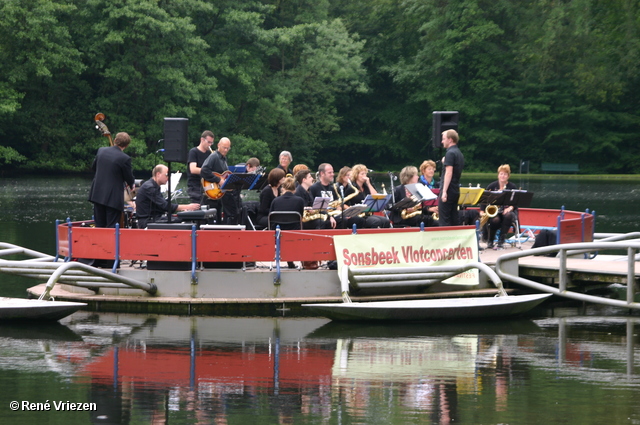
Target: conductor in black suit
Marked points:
112	168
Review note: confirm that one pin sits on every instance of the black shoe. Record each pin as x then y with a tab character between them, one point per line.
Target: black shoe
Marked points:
490	245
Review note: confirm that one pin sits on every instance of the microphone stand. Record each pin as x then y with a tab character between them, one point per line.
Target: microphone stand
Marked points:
393	191
344	225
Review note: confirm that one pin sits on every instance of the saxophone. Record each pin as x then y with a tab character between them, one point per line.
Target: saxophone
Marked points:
405	214
334	205
310	215
489	212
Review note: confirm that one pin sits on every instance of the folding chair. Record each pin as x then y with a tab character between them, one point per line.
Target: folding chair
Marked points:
287	220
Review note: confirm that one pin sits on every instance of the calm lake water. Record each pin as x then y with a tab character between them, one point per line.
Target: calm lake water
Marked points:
559	365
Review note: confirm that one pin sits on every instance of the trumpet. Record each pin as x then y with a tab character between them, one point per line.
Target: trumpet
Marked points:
489	212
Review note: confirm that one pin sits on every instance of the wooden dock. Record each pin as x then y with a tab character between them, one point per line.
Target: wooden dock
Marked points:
602	270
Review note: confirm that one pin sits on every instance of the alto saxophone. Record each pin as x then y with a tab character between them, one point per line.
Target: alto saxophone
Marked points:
335	204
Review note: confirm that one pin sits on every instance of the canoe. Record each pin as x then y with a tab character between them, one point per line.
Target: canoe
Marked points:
432	309
32	309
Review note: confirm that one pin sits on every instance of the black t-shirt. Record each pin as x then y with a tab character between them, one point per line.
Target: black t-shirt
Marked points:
322	191
197	156
453	157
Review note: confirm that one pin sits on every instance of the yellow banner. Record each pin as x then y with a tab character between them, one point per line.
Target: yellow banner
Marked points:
419	249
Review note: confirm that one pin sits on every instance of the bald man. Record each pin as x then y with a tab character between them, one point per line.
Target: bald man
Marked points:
217	163
151	206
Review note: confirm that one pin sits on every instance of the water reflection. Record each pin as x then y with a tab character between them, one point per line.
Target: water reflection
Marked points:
166	369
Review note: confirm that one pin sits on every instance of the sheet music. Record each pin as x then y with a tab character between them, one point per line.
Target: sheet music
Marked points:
420	191
175	179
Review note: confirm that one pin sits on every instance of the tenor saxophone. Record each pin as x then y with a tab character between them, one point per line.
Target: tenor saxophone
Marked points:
489	212
405	214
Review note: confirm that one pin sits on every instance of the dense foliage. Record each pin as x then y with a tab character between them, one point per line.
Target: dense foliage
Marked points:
343	81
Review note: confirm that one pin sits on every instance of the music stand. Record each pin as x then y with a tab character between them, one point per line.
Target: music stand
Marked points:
376	203
515	198
320	203
260	182
470	195
239	181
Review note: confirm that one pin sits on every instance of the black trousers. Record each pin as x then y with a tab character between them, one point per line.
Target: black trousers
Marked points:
105	216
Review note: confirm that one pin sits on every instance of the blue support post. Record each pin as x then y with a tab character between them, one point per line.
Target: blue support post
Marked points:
116	260
55	260
276	280
421	226
354	230
194	257
69	239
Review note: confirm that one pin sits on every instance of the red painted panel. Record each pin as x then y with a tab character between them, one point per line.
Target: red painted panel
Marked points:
155	245
237	245
571	231
93	242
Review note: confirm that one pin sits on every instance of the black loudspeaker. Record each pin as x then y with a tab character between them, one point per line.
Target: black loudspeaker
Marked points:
175	139
443	120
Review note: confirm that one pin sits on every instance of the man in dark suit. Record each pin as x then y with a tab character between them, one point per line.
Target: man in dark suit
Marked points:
112	168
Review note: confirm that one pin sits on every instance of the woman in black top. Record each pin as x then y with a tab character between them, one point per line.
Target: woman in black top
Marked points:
288	202
506	215
268	194
362	183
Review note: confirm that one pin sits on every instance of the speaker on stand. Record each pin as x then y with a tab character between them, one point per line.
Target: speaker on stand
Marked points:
175	147
442	121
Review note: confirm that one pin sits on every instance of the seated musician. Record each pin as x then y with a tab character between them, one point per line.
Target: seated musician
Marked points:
312	219
270	192
151	205
252	165
361	184
288	202
427	178
411	216
506	215
325	188
285	159
427	174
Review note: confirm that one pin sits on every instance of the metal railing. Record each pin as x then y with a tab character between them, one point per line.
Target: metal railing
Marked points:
631	245
42	266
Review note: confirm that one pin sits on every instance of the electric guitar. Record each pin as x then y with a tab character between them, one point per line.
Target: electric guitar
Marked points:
212	190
